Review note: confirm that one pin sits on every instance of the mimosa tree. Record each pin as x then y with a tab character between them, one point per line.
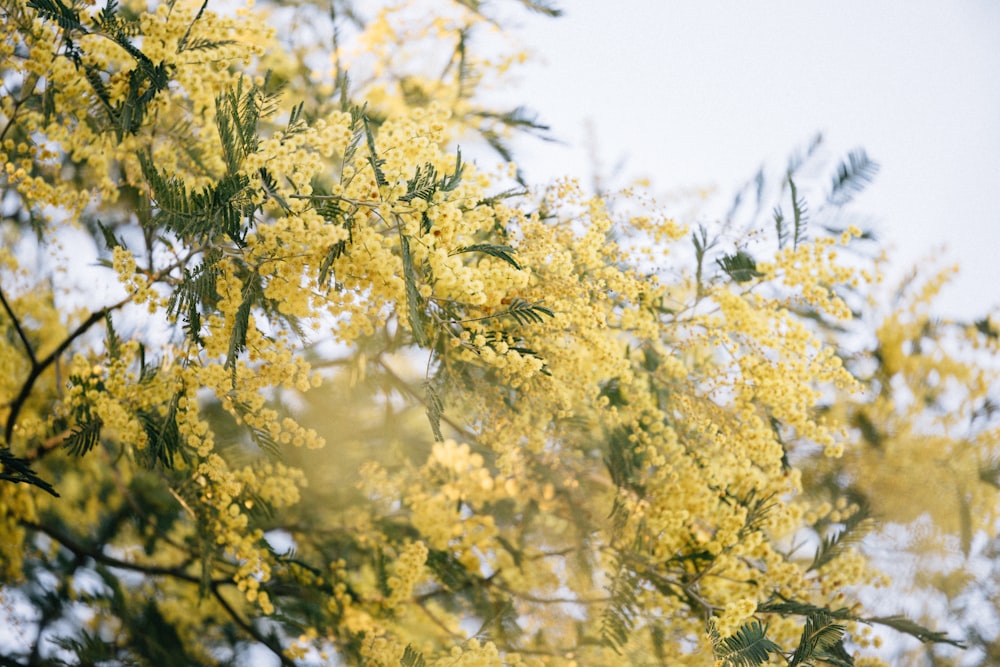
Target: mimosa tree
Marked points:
286	372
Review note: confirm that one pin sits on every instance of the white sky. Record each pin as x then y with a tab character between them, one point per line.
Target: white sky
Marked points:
697	93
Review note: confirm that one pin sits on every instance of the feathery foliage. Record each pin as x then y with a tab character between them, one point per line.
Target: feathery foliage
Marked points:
748	647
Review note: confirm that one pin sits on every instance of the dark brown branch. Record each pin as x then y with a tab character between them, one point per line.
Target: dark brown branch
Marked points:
98	556
249	629
177	572
20	332
39	367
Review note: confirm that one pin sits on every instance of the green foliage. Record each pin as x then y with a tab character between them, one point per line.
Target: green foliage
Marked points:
800	217
855	527
748	647
250	296
412	658
17	470
425	182
373	159
196	293
820	637
209	529
415	312
739	266
524	312
84	437
618	618
163	437
144	82
502	252
785	606
853	175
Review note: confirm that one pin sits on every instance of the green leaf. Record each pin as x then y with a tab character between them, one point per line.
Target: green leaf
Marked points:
748	647
502	252
740	266
702	245
373	158
524	312
800	215
259	436
435	410
67	18
618	618
84	437
907	626
779	226
195	293
852	177
163	438
412	658
17	470
110	240
449	183
782	605
414	302
819	635
855	528
252	290
112	342
985	327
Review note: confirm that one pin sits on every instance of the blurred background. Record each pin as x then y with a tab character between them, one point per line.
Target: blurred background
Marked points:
697	96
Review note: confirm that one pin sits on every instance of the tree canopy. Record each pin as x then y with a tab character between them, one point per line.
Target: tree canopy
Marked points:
298	362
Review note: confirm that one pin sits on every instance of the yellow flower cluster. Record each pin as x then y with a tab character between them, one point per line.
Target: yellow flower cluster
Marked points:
408	571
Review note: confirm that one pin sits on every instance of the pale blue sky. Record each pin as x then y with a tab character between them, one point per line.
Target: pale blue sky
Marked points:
701	93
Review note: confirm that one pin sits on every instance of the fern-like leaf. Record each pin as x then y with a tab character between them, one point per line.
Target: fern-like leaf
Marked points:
65	17
747	647
414	302
819	635
502	252
435	410
112	342
785	606
412	658
357	134
16	470
914	629
524	312
855	528
800	214
241	322
853	175
373	159
163	438
450	182
84	437
423	185
618	619
739	266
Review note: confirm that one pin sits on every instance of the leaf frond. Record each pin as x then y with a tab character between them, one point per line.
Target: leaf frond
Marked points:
747	647
739	266
501	252
853	175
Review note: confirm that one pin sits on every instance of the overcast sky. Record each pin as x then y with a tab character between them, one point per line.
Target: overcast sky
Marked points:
697	93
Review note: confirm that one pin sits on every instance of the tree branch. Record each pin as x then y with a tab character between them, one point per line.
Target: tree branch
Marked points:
17	327
249	629
82	550
39	367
